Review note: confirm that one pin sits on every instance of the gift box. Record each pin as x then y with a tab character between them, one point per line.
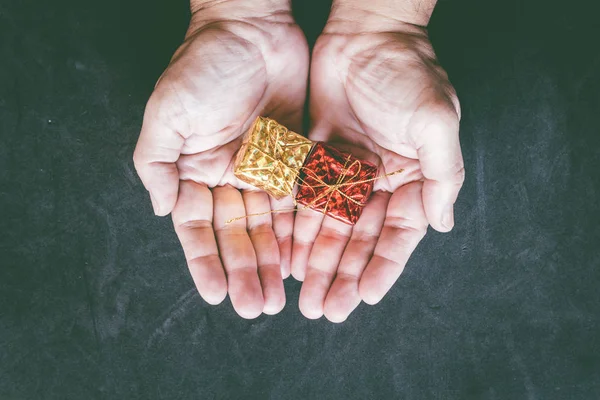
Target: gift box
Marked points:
335	183
271	157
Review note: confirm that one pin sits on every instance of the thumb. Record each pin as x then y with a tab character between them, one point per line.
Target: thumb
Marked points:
442	166
157	150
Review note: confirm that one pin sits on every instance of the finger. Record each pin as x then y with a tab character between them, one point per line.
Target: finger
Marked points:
404	226
442	165
156	152
322	265
283	226
343	296
265	245
192	219
237	252
306	228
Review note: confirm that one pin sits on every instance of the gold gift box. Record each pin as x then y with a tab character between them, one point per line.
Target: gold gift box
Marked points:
271	157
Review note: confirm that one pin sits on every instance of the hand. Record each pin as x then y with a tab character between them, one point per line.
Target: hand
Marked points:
236	62
376	85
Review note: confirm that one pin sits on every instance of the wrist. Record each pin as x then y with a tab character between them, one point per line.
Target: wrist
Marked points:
351	16
208	11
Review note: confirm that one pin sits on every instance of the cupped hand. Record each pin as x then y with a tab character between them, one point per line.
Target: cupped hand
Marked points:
380	91
236	62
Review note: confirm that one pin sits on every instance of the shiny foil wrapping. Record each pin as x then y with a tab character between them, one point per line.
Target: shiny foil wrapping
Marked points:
271	157
332	182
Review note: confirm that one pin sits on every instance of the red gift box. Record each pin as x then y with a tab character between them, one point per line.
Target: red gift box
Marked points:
335	183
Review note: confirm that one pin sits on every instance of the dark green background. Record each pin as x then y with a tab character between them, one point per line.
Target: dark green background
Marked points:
95	297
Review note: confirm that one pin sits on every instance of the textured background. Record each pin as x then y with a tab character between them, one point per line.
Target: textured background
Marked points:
95	297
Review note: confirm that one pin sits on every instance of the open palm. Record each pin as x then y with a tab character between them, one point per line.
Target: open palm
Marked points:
382	94
223	76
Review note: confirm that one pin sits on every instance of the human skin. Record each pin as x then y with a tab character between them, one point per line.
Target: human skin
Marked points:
376	85
376	89
239	60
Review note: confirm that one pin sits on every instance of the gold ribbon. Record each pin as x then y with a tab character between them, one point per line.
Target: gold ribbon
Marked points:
331	189
274	132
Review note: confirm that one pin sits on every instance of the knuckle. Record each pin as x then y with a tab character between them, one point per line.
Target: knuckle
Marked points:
435	120
138	161
260	229
418	226
165	107
460	175
183	223
443	116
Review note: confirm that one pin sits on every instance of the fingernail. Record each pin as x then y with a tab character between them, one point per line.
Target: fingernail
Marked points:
448	217
154	204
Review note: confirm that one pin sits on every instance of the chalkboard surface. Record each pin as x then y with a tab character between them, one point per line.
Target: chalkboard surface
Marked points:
95	298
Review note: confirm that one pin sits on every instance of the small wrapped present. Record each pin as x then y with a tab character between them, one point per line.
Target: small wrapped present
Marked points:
271	157
335	183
